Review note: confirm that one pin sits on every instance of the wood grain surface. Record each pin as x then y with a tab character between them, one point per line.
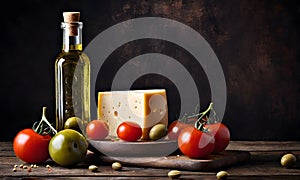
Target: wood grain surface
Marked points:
263	164
180	162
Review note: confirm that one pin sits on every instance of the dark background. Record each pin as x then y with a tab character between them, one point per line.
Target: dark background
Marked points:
256	42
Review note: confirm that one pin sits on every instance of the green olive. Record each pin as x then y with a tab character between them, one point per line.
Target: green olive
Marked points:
222	175
116	166
158	131
68	147
93	168
72	123
174	174
288	160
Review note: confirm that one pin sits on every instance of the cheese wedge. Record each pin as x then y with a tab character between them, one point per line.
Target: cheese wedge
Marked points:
145	107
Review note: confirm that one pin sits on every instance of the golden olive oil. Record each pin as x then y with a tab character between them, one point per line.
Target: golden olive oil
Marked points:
72	75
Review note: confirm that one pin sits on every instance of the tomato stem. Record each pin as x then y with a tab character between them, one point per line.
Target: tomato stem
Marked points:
194	115
40	129
199	124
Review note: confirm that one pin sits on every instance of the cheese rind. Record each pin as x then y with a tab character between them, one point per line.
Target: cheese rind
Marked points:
145	107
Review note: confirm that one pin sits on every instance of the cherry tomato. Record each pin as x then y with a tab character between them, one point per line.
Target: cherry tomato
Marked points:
175	128
97	129
222	135
129	131
31	147
195	143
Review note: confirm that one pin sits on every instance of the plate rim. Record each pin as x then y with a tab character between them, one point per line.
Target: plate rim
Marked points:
123	149
133	142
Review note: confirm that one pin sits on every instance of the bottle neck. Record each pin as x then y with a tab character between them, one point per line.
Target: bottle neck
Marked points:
72	36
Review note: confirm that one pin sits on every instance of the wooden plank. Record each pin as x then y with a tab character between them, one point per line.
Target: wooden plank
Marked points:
265	156
264	169
81	170
264	145
212	162
6	149
252	169
264	163
6	146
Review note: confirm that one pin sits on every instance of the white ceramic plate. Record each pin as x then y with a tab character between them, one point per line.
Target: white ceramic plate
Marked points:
135	149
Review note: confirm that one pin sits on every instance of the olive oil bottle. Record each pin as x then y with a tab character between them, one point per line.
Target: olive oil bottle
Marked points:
72	75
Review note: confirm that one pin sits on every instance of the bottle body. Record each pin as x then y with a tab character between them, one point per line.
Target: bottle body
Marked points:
72	80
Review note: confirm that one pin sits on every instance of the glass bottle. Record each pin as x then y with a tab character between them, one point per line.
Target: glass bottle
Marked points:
72	75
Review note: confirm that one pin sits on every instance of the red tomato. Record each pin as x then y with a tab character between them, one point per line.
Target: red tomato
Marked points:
97	129
221	134
129	131
175	128
31	147
195	143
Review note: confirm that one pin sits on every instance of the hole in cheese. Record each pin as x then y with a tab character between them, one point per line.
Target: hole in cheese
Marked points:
116	113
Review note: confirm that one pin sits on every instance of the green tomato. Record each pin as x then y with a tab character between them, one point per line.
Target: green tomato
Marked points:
68	147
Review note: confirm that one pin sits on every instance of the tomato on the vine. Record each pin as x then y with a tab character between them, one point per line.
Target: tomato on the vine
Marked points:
175	128
31	144
97	129
129	131
222	135
195	143
31	147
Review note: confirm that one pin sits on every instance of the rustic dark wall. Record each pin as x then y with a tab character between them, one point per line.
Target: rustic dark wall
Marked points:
256	43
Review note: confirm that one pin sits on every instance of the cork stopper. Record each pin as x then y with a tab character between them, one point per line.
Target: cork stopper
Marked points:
72	18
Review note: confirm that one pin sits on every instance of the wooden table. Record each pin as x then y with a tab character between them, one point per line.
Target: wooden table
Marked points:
263	164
